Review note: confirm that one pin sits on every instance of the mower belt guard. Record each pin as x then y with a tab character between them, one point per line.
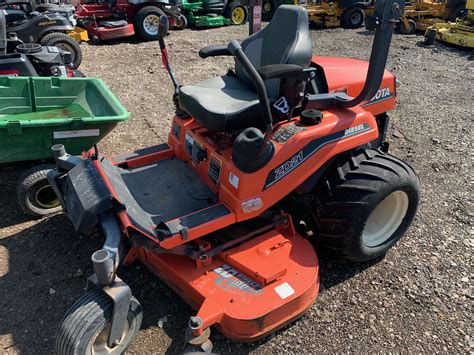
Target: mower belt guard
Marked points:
250	290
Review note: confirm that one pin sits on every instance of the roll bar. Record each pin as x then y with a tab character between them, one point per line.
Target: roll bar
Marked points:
386	15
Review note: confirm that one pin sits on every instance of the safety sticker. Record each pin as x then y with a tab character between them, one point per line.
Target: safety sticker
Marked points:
284	290
77	134
233	281
234	180
214	172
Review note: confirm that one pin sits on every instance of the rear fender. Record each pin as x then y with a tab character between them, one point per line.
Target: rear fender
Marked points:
348	75
34	29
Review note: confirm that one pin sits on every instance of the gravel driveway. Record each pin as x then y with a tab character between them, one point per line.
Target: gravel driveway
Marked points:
417	299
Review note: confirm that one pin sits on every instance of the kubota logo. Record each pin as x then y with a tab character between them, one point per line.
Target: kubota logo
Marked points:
382	94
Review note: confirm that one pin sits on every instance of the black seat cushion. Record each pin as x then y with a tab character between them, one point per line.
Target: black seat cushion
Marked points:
229	102
222	103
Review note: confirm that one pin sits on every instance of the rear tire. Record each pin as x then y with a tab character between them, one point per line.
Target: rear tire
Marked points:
363	205
35	195
268	9
237	13
66	43
84	327
353	17
146	23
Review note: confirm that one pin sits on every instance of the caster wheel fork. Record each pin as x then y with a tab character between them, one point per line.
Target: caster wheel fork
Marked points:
200	343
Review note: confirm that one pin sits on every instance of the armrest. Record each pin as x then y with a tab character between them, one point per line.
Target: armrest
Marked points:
278	71
214	51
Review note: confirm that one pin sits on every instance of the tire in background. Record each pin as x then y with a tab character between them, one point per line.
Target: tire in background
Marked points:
430	36
85	327
181	23
236	13
145	21
35	195
407	30
353	17
66	43
268	9
363	205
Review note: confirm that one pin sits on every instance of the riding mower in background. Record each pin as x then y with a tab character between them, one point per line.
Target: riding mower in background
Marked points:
421	14
112	19
460	33
25	23
213	13
32	59
285	150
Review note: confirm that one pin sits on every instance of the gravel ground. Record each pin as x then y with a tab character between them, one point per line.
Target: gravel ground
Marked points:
417	299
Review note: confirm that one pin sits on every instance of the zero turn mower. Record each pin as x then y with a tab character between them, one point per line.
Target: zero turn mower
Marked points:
113	19
348	13
421	14
286	144
47	26
460	33
213	13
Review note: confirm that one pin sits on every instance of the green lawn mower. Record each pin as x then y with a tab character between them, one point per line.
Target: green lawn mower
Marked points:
212	13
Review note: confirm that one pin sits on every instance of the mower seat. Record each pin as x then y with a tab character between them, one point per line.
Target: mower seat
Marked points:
12	16
230	102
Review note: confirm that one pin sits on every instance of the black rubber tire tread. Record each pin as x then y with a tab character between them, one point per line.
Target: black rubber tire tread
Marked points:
407	31
55	39
184	23
346	17
430	37
89	314
28	180
230	8
267	16
140	17
348	193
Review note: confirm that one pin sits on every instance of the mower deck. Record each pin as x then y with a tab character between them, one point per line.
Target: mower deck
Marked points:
247	291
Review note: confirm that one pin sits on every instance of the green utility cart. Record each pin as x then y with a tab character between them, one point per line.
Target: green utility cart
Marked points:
36	113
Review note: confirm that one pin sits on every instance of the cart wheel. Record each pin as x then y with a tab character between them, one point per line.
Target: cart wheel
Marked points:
147	22
237	13
407	29
86	325
181	22
353	17
66	43
364	204
268	9
430	36
35	195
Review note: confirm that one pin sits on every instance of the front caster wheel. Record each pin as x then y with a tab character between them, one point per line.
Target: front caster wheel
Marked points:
86	326
364	205
35	195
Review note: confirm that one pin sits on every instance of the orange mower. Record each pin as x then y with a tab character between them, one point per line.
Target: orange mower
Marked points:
284	153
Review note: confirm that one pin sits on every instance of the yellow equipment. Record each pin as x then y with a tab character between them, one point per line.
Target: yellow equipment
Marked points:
421	14
79	34
460	32
326	13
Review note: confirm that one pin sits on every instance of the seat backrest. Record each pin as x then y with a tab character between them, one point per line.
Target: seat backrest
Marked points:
286	40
